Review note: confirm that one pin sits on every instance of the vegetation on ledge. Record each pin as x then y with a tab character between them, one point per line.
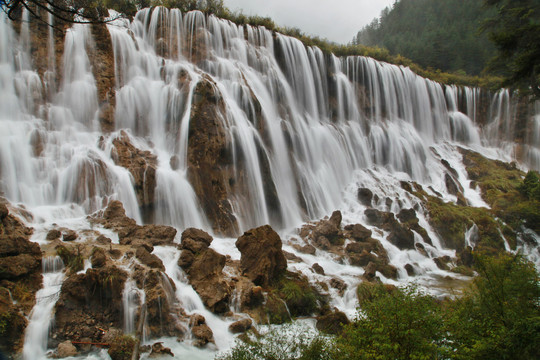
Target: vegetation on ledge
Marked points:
497	318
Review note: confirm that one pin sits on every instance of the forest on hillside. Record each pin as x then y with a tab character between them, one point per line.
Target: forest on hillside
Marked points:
443	35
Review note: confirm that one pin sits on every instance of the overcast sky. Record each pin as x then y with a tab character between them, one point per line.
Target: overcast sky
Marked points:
336	20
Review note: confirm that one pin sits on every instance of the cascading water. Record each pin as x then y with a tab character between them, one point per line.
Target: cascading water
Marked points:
302	131
37	331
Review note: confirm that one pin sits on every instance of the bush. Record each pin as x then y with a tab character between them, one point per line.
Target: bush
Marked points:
499	315
401	324
292	341
122	347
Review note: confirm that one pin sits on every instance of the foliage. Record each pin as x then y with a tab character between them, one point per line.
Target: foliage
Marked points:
435	34
499	316
402	324
121	348
290	341
300	298
515	31
74	262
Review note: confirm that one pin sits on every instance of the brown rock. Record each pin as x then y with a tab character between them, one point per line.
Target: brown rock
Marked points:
103	240
365	196
141	164
332	323
318	269
13	267
148	259
410	270
240	326
262	259
99	258
158	350
210	164
53	234
307	249
66	349
69	235
203	334
358	232
338	284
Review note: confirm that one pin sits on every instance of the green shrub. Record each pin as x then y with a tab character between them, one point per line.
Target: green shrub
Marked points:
499	315
401	324
291	341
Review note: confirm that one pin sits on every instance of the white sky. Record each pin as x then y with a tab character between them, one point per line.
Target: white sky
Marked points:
336	20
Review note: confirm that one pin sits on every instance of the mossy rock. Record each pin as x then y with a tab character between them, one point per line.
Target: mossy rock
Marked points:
121	348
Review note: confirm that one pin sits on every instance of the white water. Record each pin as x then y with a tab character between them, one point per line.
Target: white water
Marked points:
37	331
323	127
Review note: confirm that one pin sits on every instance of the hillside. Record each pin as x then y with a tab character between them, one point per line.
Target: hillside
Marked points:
438	34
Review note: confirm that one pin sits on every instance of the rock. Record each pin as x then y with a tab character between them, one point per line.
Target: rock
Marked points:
66	349
262	259
339	285
240	326
402	237
53	234
206	277
162	308
103	240
410	270
210	164
196	242
318	269
148	259
407	216
307	249
369	272
158	350
378	218
323	243
335	219
3	211
69	235
363	259
332	323
200	331
358	232
141	164
16	266
114	217
203	334
365	196
204	268
291	257
94	297
142	243
442	262
99	258
328	230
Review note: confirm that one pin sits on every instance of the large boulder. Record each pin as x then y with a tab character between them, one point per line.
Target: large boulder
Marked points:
88	302
328	229
204	268
209	160
262	259
332	323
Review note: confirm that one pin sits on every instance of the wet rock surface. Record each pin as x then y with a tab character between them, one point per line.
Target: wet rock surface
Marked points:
204	267
262	259
20	278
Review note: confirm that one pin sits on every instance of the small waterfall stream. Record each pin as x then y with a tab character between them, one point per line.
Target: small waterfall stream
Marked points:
37	331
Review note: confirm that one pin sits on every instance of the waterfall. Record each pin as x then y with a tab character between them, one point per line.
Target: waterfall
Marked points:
37	331
287	135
